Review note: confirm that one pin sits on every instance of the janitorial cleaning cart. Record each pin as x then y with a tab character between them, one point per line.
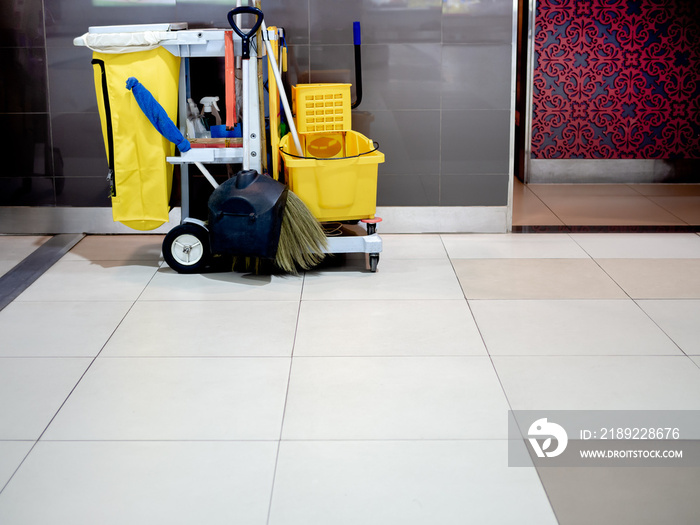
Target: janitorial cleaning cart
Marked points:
321	178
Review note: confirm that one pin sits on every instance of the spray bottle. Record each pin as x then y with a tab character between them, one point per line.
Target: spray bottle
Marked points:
210	112
195	126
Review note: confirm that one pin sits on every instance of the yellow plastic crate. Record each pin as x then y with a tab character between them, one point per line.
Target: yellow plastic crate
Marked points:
321	107
343	187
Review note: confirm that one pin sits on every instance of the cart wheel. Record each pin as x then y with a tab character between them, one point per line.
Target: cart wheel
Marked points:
186	248
373	262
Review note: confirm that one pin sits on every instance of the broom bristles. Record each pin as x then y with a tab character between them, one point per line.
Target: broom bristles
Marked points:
302	240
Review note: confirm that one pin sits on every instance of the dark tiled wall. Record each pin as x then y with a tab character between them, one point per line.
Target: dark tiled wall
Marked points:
437	77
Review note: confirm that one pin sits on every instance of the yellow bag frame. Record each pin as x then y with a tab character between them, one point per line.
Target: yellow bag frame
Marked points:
141	178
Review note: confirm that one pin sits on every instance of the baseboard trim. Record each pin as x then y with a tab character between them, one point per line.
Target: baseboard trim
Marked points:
443	219
612	171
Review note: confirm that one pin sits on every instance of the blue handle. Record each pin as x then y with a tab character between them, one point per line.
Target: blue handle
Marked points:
357	35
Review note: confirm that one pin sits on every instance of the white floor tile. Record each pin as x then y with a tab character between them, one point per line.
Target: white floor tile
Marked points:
535	279
679	319
640	245
655	278
387	328
167	285
600	383
14	248
396	279
114	483
127	248
406	246
32	390
64	329
206	329
569	327
87	281
6	266
11	455
512	246
426	482
176	399
394	398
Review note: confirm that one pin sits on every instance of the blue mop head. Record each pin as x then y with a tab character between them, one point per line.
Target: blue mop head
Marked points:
157	115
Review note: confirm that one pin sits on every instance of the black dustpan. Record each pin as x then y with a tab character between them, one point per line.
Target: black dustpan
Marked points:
245	215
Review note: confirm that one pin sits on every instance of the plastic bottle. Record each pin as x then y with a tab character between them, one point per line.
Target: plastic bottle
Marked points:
210	113
195	126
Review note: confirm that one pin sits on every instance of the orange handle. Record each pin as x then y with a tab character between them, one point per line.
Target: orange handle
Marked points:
230	80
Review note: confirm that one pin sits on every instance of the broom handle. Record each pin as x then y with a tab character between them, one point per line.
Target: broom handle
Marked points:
283	95
245	125
261	97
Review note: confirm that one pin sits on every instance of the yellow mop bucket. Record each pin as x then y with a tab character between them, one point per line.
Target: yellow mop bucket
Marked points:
141	179
335	175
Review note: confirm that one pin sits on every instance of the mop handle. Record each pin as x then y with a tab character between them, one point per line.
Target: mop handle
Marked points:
283	95
245	37
245	55
245	125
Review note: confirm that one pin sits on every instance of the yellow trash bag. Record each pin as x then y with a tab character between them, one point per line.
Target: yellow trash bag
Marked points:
141	178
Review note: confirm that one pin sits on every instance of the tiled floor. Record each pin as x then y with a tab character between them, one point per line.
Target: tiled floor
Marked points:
15	248
131	394
572	206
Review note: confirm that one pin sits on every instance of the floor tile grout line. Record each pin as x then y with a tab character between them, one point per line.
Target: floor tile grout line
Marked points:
348	356
639	306
78	382
502	386
649	198
635	301
597	263
286	399
271	440
36	442
547	206
26	272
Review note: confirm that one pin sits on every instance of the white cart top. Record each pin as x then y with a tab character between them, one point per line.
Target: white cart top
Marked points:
175	37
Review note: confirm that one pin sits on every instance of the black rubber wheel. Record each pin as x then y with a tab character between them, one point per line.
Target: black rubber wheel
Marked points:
186	248
373	262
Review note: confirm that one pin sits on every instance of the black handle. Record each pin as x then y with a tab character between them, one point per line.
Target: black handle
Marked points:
245	37
357	38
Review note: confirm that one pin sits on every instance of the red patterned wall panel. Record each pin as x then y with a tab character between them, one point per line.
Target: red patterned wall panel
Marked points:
616	79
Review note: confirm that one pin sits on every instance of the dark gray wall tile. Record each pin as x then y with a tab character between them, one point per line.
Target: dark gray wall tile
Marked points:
27	191
477	22
67	19
417	21
476	141
25	145
21	23
82	192
474	189
78	140
408	190
410	140
476	77
71	79
394	76
23	87
293	15
297	66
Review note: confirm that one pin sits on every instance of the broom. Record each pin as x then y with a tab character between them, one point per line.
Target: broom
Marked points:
302	242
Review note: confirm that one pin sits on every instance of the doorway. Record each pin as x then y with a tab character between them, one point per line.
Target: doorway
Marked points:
577	189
